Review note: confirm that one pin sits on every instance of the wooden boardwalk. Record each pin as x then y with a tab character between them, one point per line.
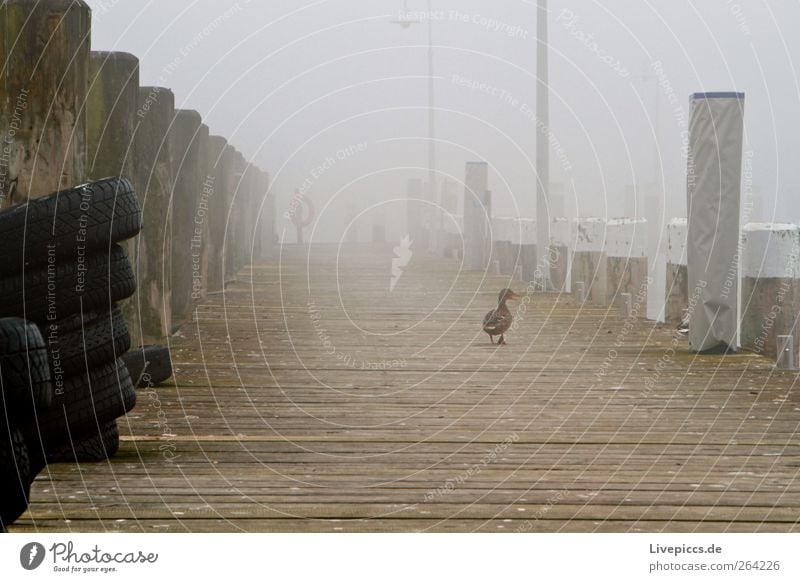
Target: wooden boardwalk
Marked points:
310	397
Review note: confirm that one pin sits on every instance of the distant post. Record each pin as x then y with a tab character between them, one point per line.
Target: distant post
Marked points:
477	216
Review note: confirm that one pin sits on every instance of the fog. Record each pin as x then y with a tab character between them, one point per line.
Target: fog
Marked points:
331	96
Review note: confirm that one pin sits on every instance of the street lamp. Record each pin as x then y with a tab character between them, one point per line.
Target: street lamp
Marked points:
406	22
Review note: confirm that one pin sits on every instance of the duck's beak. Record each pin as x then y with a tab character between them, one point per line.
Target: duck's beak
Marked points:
515	296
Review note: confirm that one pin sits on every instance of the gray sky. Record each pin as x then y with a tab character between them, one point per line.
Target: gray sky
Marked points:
292	84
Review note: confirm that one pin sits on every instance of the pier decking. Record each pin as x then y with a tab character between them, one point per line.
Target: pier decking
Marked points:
310	397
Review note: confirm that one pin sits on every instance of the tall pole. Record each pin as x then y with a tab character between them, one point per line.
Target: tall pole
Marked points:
432	130
542	146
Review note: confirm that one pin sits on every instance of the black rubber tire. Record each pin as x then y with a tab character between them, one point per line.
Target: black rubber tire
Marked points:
24	372
89	448
80	343
88	401
91	215
15	475
149	365
103	279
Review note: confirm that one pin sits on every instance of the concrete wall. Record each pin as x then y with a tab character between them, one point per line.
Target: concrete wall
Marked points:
770	285
154	180
44	51
589	258
677	283
626	267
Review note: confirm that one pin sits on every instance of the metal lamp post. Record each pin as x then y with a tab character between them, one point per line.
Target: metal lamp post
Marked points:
406	23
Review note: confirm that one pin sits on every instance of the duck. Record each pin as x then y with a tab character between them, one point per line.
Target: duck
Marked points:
498	320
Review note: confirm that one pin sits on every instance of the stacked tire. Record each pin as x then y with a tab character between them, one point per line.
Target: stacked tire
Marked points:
62	274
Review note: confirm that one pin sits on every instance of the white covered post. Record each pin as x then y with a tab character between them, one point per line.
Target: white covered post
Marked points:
677	292
716	127
626	262
770	285
589	258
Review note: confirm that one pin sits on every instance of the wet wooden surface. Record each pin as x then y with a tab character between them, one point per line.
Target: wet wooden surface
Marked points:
310	397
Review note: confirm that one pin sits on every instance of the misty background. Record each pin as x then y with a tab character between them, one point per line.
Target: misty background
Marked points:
332	96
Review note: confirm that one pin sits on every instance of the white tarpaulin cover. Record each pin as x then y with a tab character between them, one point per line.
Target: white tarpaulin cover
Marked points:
713	189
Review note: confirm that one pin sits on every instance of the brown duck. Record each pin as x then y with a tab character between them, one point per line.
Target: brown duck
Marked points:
498	320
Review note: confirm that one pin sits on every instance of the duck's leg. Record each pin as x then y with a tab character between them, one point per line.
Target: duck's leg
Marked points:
502	340
491	338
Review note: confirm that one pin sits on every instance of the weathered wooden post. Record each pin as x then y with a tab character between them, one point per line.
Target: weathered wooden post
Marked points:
232	237
477	216
716	129
770	285
523	249
677	292
626	267
216	181
245	215
190	137
589	258
558	258
111	106
44	64
154	180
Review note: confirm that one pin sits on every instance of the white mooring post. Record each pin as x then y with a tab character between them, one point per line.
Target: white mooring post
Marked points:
785	349
716	129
